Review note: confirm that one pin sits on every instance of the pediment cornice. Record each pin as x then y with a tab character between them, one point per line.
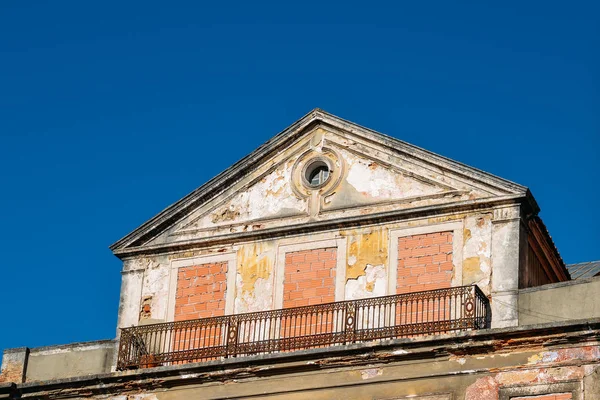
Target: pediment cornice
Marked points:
355	136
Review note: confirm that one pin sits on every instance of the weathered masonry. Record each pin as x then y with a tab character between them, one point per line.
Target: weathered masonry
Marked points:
337	262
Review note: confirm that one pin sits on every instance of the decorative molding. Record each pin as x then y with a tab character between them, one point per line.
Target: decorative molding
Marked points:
506	214
328	155
300	128
395	202
572	387
320	226
185	228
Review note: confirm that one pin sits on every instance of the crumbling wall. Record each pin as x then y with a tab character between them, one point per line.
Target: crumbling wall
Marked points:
378	182
424	262
366	263
255	277
560	373
270	197
155	288
477	251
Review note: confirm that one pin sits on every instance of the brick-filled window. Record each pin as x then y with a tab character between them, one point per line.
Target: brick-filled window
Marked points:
309	277
201	291
562	396
424	262
200	294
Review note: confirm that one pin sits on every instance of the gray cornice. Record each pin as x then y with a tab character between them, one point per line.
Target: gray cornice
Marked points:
319	226
221	182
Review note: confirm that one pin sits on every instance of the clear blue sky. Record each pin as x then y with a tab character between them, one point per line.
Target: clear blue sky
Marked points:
112	110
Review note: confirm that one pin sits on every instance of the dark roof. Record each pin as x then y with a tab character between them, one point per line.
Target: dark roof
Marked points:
546	232
584	269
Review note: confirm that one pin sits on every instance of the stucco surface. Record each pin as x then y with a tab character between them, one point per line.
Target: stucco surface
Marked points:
68	361
552	303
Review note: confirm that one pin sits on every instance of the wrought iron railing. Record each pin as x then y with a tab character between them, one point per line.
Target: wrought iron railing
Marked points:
403	315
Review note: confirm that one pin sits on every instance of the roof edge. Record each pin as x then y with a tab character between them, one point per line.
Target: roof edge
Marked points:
220	179
214	186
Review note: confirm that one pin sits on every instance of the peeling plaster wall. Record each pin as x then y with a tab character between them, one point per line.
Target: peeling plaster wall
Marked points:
270	197
146	288
507	258
542	374
131	293
366	263
368	182
477	251
254	278
365	179
155	288
377	182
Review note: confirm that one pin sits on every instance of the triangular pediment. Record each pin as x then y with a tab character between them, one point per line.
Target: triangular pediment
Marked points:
364	171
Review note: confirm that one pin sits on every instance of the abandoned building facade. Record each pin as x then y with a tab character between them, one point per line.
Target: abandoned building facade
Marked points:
335	262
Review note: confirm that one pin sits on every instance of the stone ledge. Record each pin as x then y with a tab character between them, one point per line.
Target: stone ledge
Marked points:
73	346
360	354
561	284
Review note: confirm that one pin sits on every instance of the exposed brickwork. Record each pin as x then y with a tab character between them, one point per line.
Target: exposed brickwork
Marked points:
424	262
563	396
200	294
201	291
309	277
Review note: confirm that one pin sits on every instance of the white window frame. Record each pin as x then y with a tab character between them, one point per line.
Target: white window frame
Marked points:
456	227
229	258
340	273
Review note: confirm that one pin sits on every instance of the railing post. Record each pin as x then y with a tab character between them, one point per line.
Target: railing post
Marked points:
350	323
123	358
469	308
232	336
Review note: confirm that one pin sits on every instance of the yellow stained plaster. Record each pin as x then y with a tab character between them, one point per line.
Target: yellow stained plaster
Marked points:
472	269
255	261
466	235
367	248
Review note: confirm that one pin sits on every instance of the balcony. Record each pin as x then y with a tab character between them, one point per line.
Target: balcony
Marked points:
398	316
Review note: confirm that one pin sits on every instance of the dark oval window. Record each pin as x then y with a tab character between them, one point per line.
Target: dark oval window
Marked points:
317	173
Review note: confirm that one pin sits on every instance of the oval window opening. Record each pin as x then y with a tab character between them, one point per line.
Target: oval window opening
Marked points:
317	174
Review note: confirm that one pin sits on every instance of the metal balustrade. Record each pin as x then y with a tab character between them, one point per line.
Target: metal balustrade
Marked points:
323	325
